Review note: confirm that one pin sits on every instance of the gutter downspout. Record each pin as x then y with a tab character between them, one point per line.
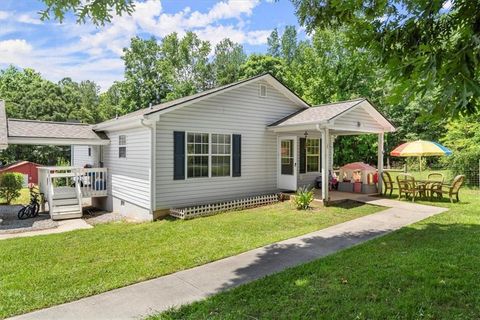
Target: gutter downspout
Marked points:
152	126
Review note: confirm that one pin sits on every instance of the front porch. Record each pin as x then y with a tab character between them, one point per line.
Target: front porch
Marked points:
298	149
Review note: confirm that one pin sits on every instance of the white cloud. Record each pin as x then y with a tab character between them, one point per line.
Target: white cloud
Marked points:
12	50
149	18
4	15
89	52
28	19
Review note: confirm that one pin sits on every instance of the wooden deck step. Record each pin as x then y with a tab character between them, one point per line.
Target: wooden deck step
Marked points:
67	208
65	202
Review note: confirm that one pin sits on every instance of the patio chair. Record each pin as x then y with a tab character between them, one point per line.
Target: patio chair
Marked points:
408	187
451	190
388	183
435	180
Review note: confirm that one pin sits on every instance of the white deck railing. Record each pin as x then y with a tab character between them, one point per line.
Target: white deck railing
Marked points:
87	182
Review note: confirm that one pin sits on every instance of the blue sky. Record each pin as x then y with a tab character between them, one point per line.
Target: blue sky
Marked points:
87	52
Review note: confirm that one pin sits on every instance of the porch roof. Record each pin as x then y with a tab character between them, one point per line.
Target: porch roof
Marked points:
339	116
52	133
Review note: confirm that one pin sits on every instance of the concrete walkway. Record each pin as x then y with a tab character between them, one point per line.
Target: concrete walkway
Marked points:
63	226
139	300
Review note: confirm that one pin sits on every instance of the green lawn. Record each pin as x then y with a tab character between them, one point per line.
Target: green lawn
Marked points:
430	270
42	271
23	199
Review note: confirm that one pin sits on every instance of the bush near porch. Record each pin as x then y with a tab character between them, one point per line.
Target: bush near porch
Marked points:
428	270
42	271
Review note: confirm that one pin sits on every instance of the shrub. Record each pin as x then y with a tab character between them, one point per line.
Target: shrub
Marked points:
10	185
303	198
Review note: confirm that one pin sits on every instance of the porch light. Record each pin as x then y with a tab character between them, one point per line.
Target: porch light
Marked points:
305	134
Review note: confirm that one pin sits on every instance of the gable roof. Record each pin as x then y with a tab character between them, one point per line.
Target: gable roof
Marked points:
177	103
18	164
49	129
330	111
318	113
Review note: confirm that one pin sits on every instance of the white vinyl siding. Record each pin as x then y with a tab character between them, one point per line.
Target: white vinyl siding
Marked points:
351	120
238	111
80	156
129	178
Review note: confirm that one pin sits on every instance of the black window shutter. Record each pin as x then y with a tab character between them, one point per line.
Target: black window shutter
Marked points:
178	155
303	155
320	153
237	155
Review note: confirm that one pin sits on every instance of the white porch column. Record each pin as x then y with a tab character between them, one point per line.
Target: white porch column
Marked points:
330	152
380	161
325	164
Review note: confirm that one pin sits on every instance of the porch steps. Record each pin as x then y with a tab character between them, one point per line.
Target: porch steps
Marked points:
66	204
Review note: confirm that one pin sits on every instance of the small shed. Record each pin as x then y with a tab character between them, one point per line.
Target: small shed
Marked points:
27	168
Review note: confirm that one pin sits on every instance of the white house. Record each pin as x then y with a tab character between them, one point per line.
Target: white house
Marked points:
247	138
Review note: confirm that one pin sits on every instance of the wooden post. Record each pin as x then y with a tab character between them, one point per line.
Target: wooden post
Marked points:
380	162
325	165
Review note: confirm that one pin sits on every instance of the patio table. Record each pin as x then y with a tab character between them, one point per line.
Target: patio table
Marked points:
428	185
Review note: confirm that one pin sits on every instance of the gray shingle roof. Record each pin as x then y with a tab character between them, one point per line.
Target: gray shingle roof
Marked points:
317	113
46	129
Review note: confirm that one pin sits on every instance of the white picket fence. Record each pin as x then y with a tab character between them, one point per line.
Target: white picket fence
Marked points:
214	208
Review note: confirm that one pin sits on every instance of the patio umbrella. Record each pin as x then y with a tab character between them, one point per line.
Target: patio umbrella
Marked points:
420	148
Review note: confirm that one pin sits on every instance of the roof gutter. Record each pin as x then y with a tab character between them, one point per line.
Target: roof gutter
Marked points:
119	124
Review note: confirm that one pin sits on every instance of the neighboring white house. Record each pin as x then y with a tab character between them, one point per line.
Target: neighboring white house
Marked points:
247	138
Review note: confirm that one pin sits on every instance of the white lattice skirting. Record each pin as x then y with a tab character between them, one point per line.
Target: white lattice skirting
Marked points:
210	209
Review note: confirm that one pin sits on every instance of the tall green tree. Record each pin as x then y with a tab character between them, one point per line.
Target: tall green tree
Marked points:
289	43
273	42
187	63
227	62
29	96
428	47
257	64
110	102
145	81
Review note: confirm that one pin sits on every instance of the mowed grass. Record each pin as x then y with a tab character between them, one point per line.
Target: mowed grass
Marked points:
42	271
24	198
429	270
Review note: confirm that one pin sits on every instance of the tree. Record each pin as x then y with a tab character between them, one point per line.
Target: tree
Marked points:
145	82
110	101
10	186
257	64
463	138
273	42
227	62
426	46
98	11
28	96
157	72
289	43
187	64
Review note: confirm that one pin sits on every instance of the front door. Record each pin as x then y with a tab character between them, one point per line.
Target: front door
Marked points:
287	163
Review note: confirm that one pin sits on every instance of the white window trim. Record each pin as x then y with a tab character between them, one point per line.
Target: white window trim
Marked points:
314	155
122	145
260	90
209	155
